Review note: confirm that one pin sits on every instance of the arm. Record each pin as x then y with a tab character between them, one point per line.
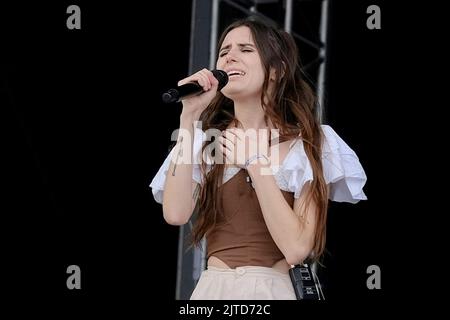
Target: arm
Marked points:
179	188
294	239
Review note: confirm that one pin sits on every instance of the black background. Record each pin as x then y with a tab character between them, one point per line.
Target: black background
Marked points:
85	132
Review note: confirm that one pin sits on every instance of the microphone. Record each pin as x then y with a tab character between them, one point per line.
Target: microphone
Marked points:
193	88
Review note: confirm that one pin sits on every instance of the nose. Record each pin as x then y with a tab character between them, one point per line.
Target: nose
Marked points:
230	57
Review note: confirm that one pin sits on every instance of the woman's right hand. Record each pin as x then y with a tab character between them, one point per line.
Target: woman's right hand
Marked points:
194	106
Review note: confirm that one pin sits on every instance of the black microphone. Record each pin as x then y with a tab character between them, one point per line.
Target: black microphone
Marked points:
193	88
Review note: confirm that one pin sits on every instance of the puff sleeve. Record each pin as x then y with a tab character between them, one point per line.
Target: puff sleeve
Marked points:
341	167
157	183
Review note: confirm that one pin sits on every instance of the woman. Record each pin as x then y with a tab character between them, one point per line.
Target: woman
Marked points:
264	207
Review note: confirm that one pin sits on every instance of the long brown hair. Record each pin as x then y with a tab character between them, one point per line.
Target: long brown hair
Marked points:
291	109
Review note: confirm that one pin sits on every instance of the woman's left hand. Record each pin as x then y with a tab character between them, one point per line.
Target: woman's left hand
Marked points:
239	147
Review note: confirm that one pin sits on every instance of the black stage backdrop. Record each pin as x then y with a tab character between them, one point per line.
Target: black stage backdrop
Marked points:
85	132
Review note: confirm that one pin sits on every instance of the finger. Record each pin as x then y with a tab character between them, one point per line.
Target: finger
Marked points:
229	157
229	150
227	154
229	135
213	80
237	148
201	77
204	81
232	144
234	134
229	139
191	78
220	157
227	144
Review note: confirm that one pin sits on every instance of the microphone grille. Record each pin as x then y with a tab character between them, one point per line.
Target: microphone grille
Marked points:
170	96
222	77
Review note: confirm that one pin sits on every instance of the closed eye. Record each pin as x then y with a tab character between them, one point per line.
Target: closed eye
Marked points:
223	53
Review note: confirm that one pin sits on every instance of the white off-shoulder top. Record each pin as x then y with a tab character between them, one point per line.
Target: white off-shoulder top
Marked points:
342	170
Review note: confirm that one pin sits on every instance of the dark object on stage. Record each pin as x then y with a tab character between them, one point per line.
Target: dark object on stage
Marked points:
306	283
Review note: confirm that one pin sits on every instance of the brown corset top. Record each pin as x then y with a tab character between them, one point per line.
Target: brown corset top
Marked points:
241	237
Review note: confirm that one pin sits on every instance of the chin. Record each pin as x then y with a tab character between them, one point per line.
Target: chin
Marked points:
231	93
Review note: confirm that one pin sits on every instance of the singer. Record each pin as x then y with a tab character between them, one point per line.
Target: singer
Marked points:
256	224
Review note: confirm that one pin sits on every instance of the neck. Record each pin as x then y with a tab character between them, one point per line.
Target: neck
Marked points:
250	114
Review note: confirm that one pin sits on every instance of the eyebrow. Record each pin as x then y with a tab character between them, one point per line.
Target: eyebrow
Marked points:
239	45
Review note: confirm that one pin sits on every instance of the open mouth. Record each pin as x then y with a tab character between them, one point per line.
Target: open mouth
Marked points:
235	73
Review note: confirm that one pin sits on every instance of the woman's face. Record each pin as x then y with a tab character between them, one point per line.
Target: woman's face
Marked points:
239	58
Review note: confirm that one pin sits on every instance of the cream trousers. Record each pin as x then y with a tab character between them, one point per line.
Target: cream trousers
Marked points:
243	283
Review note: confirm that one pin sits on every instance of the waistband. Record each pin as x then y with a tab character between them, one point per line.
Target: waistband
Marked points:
250	270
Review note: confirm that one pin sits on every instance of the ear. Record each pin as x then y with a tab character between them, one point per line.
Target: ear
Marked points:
273	73
284	69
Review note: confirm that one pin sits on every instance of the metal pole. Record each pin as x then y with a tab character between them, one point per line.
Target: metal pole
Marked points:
191	260
288	16
322	56
214	31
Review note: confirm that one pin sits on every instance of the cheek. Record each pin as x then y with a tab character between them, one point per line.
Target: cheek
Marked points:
219	64
258	71
259	77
